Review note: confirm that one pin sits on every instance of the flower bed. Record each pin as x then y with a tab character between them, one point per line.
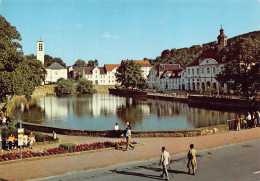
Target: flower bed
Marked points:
60	150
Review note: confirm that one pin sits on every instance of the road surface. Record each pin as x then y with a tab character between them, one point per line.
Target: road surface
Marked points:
234	162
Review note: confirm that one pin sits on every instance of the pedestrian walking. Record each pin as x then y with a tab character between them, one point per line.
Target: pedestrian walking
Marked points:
244	123
164	161
255	119
238	123
249	118
192	162
258	117
128	138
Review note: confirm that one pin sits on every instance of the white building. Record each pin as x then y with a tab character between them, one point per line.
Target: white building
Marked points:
98	75
165	77
202	72
54	72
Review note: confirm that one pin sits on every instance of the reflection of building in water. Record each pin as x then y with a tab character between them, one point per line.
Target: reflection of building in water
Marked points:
166	108
54	109
105	103
203	117
198	117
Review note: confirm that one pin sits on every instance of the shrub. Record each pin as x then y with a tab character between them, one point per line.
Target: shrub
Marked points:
49	138
65	87
68	145
85	86
39	137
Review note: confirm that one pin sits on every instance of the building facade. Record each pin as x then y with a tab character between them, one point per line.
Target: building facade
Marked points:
54	72
98	75
202	72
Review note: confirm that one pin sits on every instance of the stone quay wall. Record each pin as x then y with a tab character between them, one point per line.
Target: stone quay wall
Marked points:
128	93
135	133
220	103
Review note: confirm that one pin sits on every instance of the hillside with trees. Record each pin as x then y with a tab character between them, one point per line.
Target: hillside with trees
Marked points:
184	56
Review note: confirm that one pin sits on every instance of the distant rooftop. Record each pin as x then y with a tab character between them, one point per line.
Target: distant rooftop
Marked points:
56	65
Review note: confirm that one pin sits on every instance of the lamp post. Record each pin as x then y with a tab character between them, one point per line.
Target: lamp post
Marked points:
20	137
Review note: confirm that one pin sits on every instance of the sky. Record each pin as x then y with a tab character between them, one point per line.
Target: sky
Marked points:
115	30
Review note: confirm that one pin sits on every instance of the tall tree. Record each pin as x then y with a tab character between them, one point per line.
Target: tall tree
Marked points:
129	74
48	60
80	63
92	63
18	75
243	56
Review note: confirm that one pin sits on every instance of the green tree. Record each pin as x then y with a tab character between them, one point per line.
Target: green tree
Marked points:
65	86
48	60
129	74
18	74
28	75
85	86
240	73
80	63
92	63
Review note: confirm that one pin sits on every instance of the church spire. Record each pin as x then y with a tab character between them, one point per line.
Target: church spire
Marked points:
222	39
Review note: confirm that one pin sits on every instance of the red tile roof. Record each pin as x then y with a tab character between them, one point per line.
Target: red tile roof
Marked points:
144	63
110	67
210	53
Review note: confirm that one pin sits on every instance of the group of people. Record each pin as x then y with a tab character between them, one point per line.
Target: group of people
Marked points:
127	133
166	159
251	121
11	142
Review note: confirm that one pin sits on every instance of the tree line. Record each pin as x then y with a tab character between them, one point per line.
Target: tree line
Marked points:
184	56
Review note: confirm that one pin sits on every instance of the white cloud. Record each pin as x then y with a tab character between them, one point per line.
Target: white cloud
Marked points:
108	35
78	25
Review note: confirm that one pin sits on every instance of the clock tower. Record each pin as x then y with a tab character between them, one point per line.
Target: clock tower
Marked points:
40	51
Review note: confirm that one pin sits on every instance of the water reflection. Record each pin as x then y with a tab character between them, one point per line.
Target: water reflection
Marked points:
102	111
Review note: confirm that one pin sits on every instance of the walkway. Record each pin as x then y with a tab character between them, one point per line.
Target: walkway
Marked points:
148	149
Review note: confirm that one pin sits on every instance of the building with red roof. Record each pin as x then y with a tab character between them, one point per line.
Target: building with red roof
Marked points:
202	72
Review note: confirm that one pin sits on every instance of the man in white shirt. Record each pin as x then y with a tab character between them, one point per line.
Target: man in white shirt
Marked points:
117	127
165	160
128	138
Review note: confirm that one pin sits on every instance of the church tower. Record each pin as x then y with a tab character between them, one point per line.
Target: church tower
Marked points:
222	39
40	51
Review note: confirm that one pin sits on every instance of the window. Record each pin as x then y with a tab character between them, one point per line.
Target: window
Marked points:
214	70
192	71
202	70
198	71
188	71
40	47
208	70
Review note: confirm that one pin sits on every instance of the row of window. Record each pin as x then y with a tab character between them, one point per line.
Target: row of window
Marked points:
101	76
103	81
202	70
40	47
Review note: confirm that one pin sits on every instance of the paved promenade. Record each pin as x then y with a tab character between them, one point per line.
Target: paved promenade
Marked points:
148	149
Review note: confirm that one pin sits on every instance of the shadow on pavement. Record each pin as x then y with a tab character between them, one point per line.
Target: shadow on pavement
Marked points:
137	174
160	170
1	179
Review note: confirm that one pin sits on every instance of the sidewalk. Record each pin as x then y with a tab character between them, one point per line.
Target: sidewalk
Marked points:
148	149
